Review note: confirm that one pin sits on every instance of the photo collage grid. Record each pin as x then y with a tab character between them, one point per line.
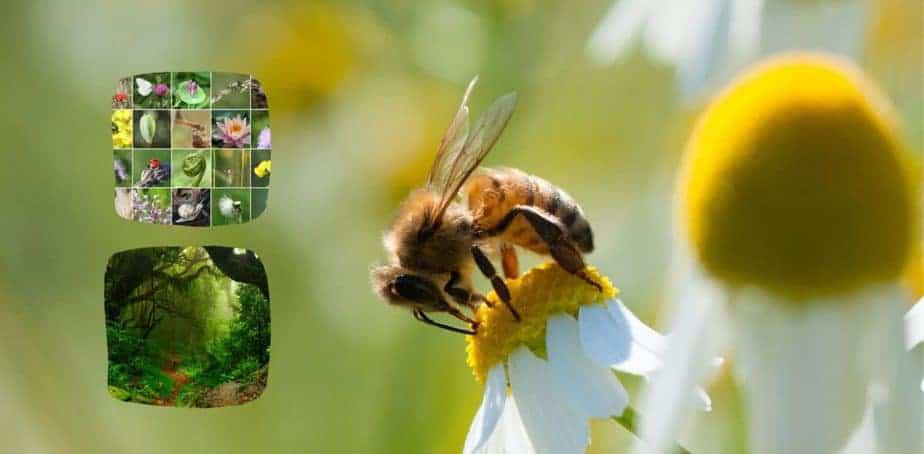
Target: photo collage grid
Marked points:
191	148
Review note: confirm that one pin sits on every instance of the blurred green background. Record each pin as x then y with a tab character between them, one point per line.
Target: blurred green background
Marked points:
359	94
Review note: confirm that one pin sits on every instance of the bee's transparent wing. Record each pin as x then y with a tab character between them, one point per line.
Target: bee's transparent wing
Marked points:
452	143
478	143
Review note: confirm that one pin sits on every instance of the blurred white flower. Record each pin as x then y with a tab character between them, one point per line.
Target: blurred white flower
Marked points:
797	223
709	40
883	423
552	398
914	331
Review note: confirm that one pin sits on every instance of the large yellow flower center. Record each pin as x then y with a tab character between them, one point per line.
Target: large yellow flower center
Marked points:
794	181
536	295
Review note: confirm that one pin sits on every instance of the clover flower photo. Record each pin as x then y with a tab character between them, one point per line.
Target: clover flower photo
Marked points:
152	91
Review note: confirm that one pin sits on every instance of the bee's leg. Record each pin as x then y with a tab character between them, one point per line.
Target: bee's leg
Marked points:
480	297
461	295
509	261
500	287
553	234
421	316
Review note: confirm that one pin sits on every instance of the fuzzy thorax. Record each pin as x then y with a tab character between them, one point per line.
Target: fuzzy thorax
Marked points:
538	294
794	181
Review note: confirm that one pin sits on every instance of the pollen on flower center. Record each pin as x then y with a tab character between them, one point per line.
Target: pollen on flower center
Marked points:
794	181
538	294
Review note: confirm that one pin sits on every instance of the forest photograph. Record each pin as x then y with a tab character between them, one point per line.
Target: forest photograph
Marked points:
187	326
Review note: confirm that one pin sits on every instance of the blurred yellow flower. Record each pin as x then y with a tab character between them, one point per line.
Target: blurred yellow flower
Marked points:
263	168
305	52
121	128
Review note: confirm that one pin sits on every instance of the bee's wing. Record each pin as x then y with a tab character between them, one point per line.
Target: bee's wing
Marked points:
452	142
478	143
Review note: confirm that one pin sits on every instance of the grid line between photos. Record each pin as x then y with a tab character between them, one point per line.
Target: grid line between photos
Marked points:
167	152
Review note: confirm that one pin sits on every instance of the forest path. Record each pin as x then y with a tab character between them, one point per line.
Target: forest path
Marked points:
171	369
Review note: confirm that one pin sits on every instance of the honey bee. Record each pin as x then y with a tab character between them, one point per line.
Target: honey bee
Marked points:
436	241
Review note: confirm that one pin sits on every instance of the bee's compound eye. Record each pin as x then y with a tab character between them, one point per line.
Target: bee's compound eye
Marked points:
413	288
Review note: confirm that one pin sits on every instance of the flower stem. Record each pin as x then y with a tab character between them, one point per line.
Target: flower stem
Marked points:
628	420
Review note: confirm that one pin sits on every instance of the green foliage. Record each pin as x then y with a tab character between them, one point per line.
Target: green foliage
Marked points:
239	355
134	372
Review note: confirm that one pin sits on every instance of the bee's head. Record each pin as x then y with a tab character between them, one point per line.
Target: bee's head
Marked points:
401	287
420	241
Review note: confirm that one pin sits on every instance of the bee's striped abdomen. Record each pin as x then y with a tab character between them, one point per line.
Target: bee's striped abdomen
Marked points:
495	192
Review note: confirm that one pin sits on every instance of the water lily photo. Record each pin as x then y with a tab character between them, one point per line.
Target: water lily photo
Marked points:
191	90
152	90
231	128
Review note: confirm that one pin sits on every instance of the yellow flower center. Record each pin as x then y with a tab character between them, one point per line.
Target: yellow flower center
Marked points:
794	181
536	295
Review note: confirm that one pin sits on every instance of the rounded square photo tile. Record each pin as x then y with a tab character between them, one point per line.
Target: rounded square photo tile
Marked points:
187	326
190	148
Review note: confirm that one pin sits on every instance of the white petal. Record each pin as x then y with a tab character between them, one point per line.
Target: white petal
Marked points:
492	405
744	30
617	30
642	334
551	425
607	337
515	440
144	87
706	48
695	338
591	390
835	26
669	28
897	402
806	368
863	440
914	325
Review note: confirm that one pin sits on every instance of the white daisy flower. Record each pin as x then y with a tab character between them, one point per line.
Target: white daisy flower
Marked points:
798	218
708	40
557	363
